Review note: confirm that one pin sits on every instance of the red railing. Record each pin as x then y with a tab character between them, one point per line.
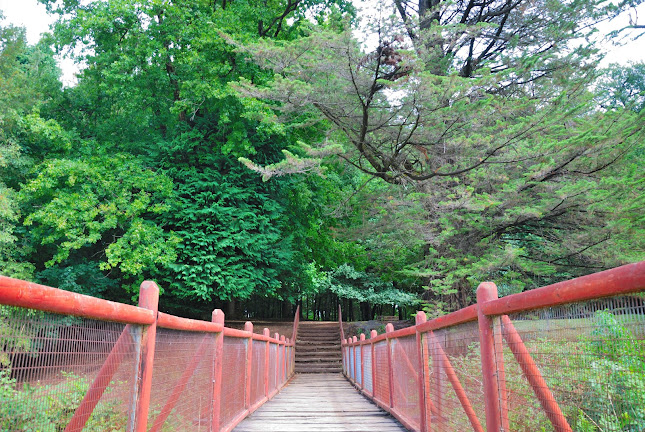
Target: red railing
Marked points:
73	362
569	356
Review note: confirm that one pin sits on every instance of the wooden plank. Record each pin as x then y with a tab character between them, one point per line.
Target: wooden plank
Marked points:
319	402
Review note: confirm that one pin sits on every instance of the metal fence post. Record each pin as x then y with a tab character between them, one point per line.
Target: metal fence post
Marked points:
373	334
487	291
362	339
217	318
422	349
148	299
248	326
345	353
390	370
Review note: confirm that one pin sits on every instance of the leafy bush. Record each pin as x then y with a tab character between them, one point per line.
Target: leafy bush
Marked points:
49	408
615	398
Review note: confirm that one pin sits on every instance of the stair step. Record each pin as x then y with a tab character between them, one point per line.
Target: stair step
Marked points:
319	370
318	351
318	354
318	360
318	348
317	342
319	335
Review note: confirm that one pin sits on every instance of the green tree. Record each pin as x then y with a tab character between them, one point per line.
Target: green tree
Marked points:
156	92
99	207
622	86
28	78
489	121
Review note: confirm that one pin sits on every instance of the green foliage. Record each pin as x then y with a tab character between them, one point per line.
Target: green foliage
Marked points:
102	201
616	397
49	408
623	86
28	76
490	157
232	241
348	283
84	278
513	172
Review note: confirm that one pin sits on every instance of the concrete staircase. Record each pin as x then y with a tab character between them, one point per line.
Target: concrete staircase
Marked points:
318	347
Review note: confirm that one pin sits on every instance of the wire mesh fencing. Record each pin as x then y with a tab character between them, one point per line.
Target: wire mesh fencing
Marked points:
455	386
182	381
566	357
273	366
49	364
367	369
258	370
72	362
580	365
405	378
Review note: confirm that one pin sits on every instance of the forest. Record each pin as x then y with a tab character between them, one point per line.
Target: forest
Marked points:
258	155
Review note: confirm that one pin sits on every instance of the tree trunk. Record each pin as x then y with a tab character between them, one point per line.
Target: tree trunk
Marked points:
230	309
287	310
365	311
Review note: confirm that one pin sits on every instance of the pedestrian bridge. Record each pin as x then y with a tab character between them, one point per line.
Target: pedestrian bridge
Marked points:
564	357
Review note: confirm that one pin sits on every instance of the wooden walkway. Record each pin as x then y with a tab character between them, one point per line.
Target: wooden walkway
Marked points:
319	402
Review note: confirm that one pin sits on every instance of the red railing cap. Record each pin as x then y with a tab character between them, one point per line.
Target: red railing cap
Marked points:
15	292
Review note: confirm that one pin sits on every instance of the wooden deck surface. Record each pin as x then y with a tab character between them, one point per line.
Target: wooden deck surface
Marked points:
319	402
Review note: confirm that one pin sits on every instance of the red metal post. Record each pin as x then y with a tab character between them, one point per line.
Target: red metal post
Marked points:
362	339
534	377
345	353
486	292
267	353
389	328
277	360
218	318
248	326
287	358
148	299
424	419
373	334
120	349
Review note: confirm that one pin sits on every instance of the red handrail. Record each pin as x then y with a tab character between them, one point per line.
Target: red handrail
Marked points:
626	279
29	295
